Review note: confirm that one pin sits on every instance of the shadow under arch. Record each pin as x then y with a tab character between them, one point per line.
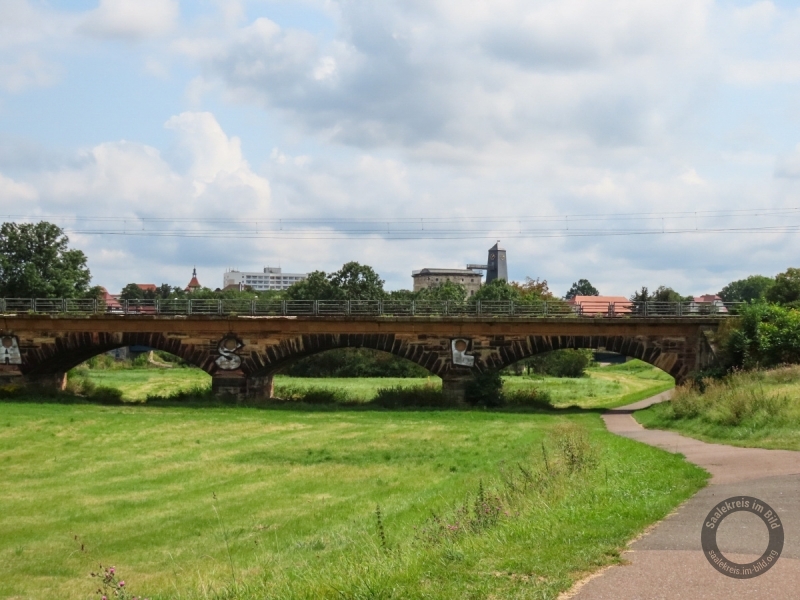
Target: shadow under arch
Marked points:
277	357
352	362
71	350
641	347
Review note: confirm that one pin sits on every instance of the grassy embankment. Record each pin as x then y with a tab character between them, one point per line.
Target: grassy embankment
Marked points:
602	387
247	503
754	409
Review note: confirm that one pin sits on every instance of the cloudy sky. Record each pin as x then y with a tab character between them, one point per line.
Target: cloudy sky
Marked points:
631	143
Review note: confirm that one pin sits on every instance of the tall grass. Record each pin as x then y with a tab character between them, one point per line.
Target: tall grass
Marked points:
746	407
734	400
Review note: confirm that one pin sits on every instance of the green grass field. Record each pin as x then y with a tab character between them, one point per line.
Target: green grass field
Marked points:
603	387
276	503
754	409
280	501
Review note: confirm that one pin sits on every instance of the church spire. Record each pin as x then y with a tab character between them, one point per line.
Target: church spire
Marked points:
193	284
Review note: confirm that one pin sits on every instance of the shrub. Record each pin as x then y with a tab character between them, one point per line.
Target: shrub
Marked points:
141	362
78	384
11	390
561	363
485	389
106	395
312	395
100	362
427	395
767	336
202	395
531	397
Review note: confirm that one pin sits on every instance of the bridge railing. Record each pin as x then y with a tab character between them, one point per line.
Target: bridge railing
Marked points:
371	308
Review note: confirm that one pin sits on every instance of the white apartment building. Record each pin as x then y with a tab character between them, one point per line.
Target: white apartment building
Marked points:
270	279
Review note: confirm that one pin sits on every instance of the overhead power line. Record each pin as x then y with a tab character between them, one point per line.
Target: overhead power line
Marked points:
432	235
737	221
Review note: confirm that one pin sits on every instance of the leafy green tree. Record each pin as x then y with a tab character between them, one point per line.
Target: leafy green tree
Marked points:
786	289
582	287
533	290
401	295
661	294
767	335
163	291
666	294
94	293
203	293
497	290
358	282
317	286
353	281
749	289
445	291
36	262
132	292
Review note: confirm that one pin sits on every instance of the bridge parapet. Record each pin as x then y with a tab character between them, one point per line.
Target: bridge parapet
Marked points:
371	308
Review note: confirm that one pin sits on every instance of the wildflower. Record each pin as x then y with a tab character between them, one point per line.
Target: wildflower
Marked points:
111	570
121	584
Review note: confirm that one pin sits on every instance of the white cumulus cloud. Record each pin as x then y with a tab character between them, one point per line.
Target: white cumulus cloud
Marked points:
131	19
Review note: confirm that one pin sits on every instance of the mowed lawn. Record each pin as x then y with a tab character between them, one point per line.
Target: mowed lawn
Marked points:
254	503
602	387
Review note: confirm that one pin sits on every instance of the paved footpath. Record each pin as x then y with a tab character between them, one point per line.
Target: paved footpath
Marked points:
668	563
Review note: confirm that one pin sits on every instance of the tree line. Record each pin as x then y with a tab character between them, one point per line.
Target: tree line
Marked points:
37	262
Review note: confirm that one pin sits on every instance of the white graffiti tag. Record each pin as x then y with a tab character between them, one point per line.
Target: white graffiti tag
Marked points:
228	359
460	356
9	351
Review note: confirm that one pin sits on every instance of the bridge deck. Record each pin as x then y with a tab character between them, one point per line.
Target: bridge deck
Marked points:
438	325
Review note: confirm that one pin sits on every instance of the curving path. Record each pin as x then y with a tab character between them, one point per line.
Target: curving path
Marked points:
668	563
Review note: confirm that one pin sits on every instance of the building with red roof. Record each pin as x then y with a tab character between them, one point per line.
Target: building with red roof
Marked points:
600	305
111	302
193	284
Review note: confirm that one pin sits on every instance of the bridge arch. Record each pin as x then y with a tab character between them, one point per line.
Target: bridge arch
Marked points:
264	362
663	353
69	350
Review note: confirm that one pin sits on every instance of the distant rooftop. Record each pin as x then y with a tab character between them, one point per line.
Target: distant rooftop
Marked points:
443	272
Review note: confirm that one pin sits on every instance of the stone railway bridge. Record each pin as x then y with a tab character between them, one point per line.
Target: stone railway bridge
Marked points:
242	353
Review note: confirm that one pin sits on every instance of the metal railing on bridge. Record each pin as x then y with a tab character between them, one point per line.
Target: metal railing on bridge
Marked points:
370	308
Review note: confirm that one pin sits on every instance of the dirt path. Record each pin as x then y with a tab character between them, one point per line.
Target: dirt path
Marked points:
668	562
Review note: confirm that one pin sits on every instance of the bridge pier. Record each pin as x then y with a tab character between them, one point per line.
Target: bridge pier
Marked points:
10	375
57	381
454	388
236	383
